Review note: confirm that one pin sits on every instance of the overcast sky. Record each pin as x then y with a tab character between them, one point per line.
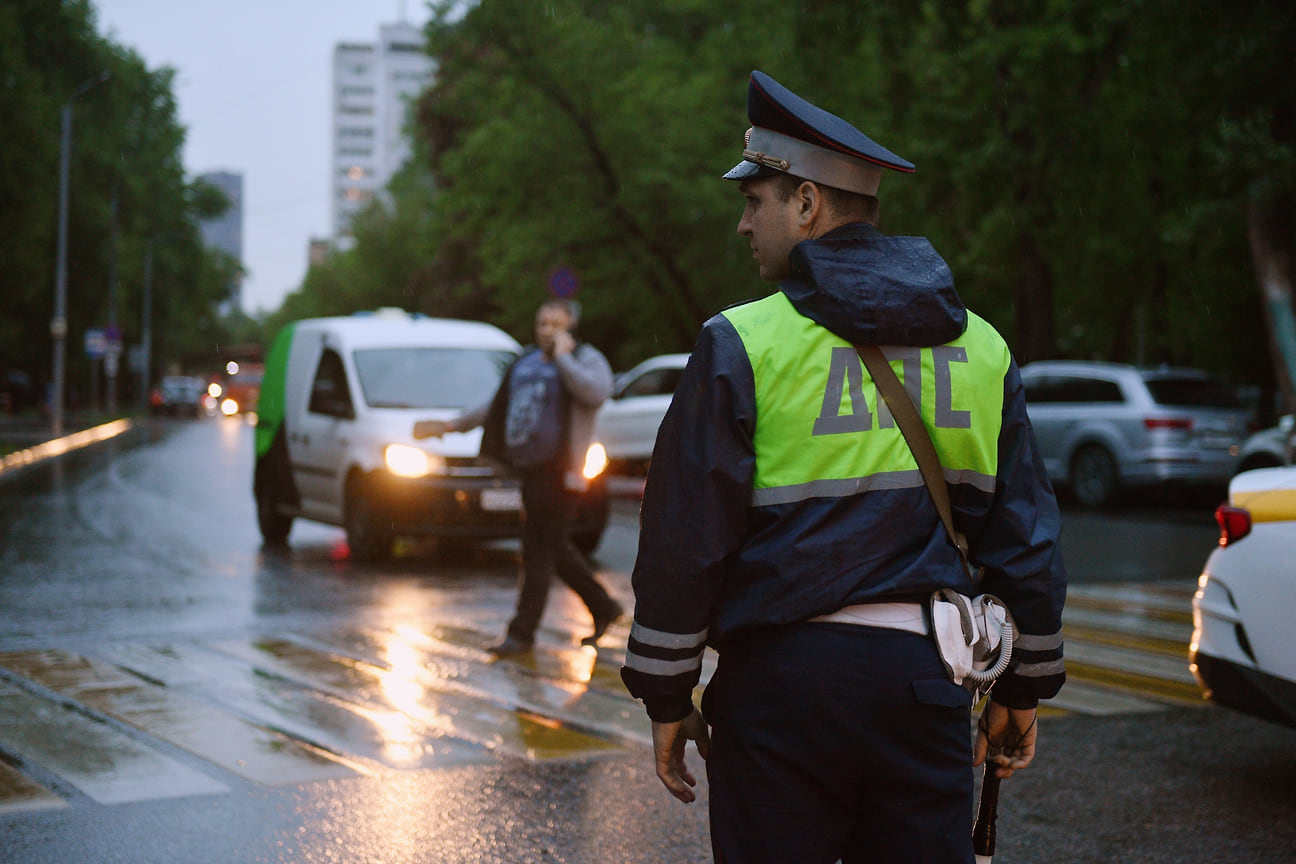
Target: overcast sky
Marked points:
253	84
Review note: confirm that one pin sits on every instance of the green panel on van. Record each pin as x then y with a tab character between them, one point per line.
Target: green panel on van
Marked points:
270	409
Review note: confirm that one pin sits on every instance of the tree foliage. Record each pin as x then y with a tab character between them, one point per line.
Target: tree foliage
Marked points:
1084	166
127	193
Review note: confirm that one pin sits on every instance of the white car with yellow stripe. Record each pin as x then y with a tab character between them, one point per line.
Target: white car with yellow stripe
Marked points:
1241	651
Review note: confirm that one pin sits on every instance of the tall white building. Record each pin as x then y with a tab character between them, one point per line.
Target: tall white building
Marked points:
373	87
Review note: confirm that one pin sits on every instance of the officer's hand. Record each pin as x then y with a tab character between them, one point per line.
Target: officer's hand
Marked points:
1006	736
431	428
669	740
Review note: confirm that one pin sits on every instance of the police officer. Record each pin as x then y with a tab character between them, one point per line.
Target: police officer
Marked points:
785	523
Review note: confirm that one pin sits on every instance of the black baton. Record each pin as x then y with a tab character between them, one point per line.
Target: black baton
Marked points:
983	830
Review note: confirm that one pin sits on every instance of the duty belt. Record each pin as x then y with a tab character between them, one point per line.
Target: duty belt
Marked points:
894	616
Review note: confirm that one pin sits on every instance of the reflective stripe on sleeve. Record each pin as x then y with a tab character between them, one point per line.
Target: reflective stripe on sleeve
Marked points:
662	639
1032	642
1040	670
663	668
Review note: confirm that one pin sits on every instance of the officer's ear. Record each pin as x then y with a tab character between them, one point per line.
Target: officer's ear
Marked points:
811	204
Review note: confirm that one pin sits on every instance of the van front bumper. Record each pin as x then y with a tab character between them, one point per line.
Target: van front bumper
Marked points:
440	506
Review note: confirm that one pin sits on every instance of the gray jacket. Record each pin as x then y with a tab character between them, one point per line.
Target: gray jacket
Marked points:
586	380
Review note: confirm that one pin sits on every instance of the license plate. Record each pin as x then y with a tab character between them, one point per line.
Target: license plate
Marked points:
1217	442
501	499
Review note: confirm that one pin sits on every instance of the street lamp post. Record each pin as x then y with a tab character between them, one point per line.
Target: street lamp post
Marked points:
58	325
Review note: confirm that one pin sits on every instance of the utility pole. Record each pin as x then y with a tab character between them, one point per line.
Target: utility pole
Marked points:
114	332
146	337
58	324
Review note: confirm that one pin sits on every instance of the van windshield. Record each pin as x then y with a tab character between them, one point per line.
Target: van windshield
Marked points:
430	377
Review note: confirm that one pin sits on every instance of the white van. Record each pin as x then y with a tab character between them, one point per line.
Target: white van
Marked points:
334	437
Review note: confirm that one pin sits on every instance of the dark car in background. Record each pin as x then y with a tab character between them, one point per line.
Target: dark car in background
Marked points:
180	396
1106	426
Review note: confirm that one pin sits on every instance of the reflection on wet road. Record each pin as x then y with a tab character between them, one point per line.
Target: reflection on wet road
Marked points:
297	707
150	648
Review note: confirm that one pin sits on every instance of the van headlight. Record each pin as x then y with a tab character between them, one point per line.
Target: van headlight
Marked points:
406	461
596	461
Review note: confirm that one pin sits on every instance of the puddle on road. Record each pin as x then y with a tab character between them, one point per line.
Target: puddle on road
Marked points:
387	738
103	763
240	747
409	688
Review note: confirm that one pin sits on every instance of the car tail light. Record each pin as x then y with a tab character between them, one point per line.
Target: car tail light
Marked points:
1184	423
1234	523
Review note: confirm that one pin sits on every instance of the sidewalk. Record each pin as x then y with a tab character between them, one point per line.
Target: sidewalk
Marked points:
27	440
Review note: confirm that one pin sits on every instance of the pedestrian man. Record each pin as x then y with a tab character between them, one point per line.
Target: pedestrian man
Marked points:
785	523
540	423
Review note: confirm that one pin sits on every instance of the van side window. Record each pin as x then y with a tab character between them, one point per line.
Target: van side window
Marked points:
329	391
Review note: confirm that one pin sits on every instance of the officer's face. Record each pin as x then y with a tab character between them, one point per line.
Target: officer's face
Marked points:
772	226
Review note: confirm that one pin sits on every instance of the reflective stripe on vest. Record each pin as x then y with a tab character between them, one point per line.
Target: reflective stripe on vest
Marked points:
822	429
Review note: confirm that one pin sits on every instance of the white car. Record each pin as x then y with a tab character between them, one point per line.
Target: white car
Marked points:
335	434
1241	651
627	423
1270	447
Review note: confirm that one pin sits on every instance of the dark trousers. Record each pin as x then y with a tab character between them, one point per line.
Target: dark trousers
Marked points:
834	741
547	550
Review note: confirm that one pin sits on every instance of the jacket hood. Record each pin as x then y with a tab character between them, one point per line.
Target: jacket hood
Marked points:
872	289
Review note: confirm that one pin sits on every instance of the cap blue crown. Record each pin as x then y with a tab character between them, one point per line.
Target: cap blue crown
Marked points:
792	135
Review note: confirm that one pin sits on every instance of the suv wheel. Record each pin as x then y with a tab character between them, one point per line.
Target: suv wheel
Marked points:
366	535
1093	475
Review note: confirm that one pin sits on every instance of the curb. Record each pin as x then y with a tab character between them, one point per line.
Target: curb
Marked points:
37	453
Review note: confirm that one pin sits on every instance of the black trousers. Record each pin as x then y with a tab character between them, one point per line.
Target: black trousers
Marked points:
835	741
548	551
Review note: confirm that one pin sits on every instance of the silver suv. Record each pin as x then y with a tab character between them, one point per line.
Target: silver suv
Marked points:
1102	426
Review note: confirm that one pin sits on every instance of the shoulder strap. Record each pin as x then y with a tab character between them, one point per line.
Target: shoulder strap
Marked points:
919	440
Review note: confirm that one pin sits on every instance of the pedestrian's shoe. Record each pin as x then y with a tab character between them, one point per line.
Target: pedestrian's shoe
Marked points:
511	647
602	623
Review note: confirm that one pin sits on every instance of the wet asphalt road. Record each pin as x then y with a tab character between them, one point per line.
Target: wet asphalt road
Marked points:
144	549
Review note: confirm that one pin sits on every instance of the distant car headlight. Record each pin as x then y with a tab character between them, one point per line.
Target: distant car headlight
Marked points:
596	461
214	390
229	407
406	461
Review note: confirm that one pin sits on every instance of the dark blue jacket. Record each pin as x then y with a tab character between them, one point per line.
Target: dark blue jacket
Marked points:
713	563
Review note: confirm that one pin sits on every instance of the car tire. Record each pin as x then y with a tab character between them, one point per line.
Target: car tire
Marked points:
1093	476
274	525
1254	463
272	486
367	537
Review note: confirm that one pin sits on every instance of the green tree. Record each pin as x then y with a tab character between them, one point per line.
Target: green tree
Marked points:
127	194
590	136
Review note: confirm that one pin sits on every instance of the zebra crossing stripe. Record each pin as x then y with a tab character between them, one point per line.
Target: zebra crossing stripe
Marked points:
209	732
101	762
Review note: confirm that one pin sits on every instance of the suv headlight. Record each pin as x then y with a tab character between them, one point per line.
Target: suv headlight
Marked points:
595	461
406	461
